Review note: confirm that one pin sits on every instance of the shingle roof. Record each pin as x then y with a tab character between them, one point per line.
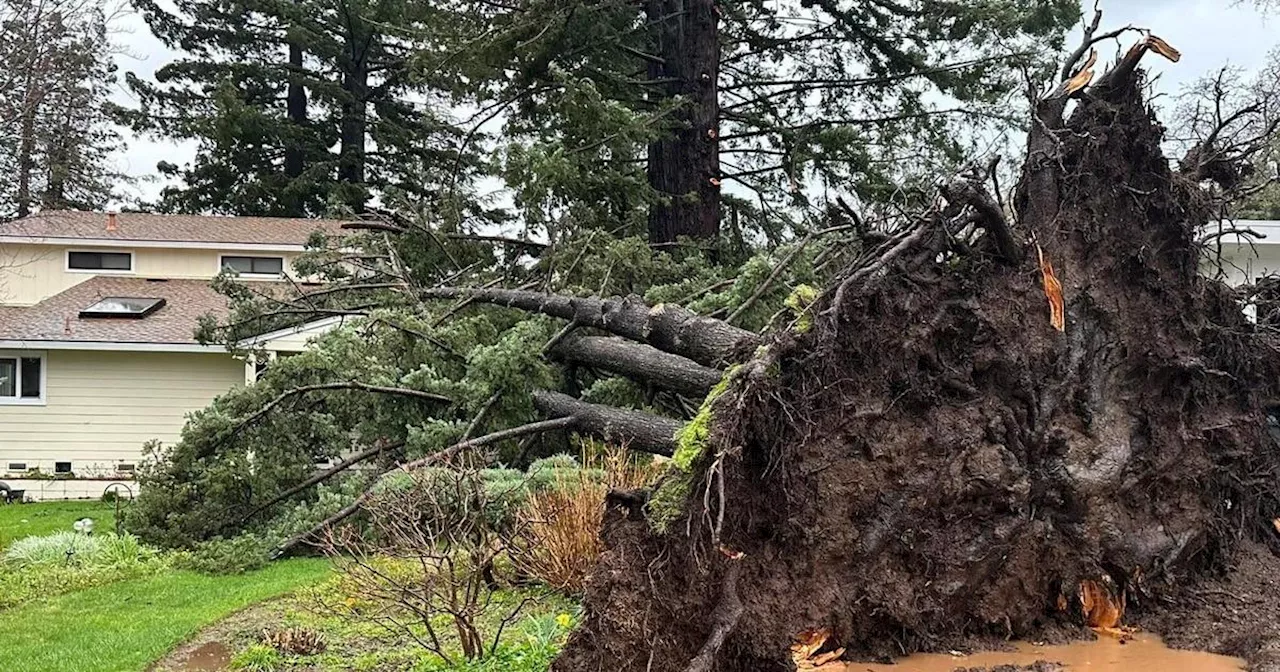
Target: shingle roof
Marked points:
57	318
136	226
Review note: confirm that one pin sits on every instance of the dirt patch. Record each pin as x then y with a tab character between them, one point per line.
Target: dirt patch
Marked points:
211	649
1235	614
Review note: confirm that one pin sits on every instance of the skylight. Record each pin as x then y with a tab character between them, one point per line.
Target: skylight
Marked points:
123	306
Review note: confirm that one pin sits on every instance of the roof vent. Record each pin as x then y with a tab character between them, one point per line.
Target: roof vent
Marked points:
112	224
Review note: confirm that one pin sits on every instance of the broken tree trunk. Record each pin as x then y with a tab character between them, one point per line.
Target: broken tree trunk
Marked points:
936	460
639	362
636	430
669	328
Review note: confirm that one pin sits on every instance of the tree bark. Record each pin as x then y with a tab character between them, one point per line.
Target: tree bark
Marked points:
639	362
684	167
354	124
636	430
669	328
296	103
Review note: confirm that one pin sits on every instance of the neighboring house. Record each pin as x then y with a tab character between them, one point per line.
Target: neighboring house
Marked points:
1245	258
97	321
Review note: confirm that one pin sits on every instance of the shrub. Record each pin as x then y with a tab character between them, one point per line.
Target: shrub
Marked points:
41	566
74	549
59	548
258	658
560	534
237	555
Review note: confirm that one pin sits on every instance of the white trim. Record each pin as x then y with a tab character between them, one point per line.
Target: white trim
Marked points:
284	267
109	346
20	355
335	320
66	258
165	244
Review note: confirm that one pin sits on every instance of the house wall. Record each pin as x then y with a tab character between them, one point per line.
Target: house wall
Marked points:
1244	263
32	273
101	407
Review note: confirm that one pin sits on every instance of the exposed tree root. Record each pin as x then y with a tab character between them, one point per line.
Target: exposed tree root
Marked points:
935	461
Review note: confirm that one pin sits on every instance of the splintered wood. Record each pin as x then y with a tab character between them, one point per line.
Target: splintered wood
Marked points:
805	651
1052	291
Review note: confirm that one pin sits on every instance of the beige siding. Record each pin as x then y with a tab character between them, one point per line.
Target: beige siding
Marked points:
101	407
30	274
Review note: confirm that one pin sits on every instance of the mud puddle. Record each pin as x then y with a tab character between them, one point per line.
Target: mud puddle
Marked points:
211	657
1144	653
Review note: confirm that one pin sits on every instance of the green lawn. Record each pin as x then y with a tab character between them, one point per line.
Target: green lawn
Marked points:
124	626
28	520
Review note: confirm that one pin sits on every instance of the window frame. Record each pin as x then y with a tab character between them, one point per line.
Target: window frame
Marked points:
284	266
133	262
18	356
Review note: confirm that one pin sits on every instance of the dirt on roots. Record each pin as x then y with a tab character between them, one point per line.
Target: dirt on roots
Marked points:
933	463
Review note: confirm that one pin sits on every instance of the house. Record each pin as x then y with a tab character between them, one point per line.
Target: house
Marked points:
97	348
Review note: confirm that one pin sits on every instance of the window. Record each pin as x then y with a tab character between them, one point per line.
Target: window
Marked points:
21	378
123	306
110	262
16	467
126	468
273	266
61	467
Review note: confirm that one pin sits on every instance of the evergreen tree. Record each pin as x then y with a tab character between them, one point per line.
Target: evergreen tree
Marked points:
296	104
57	134
776	101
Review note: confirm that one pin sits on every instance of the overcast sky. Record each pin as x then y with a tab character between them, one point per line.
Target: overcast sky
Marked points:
1208	35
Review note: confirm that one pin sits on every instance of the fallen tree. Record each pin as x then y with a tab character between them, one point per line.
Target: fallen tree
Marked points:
996	417
979	434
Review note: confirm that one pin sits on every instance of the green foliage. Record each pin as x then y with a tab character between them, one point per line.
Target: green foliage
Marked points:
76	550
258	658
237	555
44	566
798	303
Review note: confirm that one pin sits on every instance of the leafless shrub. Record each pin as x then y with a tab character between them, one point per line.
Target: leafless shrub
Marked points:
427	558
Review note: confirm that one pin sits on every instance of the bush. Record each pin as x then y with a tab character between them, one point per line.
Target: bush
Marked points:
79	550
258	658
36	567
560	520
237	555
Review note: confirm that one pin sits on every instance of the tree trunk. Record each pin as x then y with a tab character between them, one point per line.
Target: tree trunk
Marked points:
26	161
684	166
295	153
354	123
639	362
635	430
669	328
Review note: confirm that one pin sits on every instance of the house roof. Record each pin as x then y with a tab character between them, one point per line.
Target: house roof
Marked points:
156	228
57	318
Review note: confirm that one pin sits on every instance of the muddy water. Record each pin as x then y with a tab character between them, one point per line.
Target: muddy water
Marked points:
1145	653
211	657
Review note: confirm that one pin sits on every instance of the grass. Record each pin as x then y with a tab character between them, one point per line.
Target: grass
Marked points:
124	626
29	520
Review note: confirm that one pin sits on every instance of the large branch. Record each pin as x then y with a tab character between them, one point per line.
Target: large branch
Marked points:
669	328
636	430
639	362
